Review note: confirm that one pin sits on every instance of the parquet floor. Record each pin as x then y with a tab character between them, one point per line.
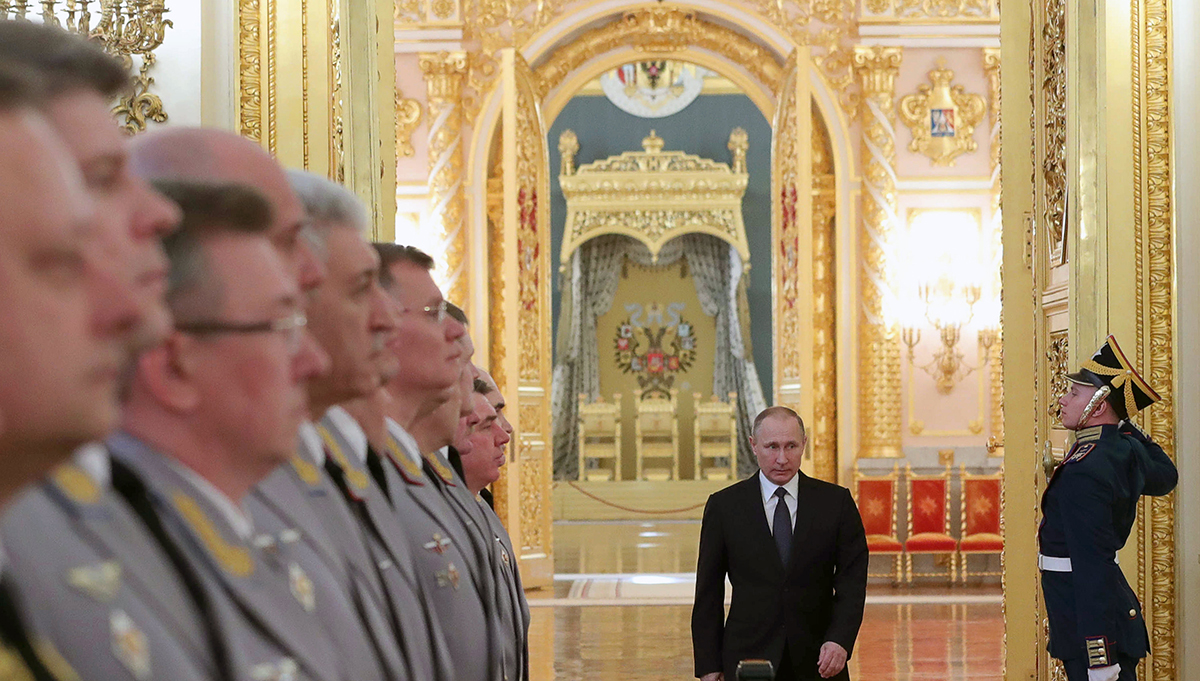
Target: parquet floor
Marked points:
621	608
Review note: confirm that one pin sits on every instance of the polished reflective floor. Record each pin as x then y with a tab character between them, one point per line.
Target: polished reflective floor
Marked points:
621	609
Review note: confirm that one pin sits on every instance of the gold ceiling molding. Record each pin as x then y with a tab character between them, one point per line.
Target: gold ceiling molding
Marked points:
654	196
930	11
942	118
661	30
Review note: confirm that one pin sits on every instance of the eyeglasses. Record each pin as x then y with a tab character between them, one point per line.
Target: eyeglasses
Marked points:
291	326
436	312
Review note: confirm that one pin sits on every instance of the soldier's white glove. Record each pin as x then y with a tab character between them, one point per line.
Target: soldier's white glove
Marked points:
1109	673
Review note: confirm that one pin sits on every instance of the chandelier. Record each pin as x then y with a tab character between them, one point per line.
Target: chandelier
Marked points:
125	28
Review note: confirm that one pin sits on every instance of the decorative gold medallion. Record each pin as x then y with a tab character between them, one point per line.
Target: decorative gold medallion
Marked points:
942	118
129	644
302	587
236	560
100	581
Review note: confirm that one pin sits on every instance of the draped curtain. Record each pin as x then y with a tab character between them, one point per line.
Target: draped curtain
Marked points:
588	290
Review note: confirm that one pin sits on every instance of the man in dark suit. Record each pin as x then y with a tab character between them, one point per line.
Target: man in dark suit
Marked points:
795	551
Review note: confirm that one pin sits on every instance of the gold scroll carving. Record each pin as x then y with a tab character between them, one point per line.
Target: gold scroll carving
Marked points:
991	68
1053	101
942	118
879	348
408	117
1153	246
444	74
789	302
249	70
925	11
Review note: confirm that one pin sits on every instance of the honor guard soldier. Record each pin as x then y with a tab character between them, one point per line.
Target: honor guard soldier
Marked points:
1088	508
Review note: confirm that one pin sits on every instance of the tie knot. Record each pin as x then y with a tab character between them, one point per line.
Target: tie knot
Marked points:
780	492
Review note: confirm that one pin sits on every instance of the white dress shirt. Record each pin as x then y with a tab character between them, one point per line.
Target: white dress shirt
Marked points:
770	500
313	444
233	513
93	459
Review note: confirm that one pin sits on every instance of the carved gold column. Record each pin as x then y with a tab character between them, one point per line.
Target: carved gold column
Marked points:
444	74
991	68
824	257
878	346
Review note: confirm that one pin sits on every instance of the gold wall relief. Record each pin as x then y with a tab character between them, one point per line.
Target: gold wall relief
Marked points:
337	151
1053	104
878	348
1058	363
824	257
991	69
250	70
408	117
444	74
942	118
1154	236
927	11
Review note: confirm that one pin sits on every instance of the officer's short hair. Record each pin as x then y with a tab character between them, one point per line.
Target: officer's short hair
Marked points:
390	254
207	210
64	62
778	411
328	205
19	88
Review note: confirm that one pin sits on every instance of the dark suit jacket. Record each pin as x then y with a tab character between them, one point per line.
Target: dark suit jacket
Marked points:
818	598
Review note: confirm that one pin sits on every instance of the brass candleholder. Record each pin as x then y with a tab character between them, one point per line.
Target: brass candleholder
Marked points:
125	28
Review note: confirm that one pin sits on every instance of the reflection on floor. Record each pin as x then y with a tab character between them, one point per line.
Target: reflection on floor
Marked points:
621	608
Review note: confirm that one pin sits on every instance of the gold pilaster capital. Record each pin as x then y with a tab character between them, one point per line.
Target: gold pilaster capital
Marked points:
444	73
876	67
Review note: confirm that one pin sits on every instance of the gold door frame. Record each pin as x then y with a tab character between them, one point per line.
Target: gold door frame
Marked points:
562	70
1092	80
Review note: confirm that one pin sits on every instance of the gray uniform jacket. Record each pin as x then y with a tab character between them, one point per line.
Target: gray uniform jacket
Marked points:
421	622
261	601
512	593
95	583
353	620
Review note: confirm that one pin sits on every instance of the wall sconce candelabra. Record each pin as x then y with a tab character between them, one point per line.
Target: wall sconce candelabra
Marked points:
125	28
942	282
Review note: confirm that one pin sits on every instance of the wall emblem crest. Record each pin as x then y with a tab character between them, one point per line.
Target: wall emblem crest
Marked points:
654	88
942	118
655	348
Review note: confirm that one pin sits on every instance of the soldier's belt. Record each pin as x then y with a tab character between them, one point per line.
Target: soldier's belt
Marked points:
1055	564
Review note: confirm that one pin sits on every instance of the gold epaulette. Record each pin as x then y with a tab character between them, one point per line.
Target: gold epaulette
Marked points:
356	477
440	468
236	560
74	482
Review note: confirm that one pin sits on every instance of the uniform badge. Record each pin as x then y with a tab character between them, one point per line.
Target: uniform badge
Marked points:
302	587
284	670
439	543
448	577
129	644
100	581
1081	451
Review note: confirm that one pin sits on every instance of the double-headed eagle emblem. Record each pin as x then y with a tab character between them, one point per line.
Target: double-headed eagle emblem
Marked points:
655	348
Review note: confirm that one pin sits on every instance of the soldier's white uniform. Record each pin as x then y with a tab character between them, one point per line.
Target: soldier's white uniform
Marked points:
261	601
84	562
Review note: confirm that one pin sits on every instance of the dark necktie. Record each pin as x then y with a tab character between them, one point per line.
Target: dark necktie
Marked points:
782	526
14	637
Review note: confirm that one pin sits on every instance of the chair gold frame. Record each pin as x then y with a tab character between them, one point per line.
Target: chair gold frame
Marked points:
600	437
714	428
656	427
909	551
964	549
896	551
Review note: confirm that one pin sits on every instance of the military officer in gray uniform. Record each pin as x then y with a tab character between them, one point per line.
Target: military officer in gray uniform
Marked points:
211	412
350	316
481	467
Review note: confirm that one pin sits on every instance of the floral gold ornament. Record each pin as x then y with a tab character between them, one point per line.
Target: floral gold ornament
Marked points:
942	118
126	29
408	117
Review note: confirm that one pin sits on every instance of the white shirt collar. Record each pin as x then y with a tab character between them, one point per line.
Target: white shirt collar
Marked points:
312	448
93	459
233	513
408	443
768	488
349	428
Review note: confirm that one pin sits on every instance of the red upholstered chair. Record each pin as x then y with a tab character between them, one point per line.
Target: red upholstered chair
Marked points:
929	521
876	499
979	527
